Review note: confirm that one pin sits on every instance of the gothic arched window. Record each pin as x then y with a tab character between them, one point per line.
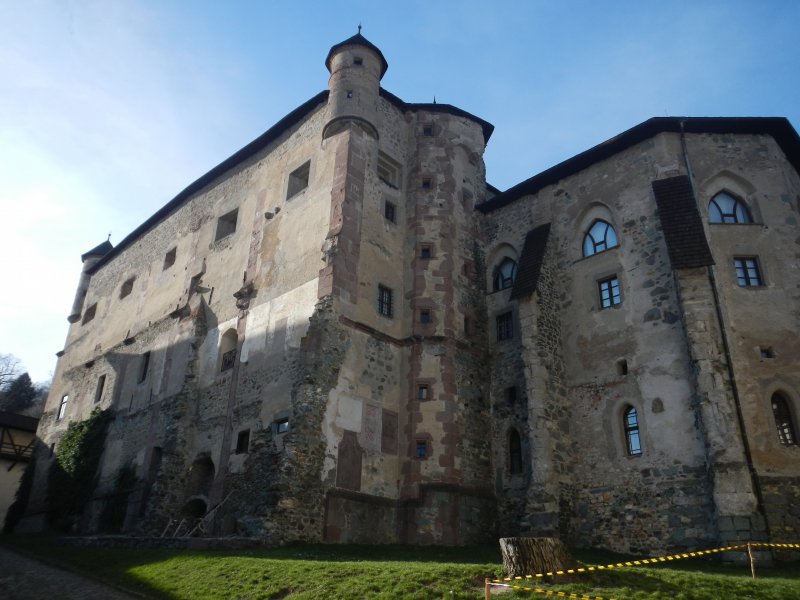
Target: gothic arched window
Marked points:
600	237
724	208
783	420
227	349
630	420
514	453
505	274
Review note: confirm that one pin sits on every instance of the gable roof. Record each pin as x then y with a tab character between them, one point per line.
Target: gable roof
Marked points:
681	222
778	127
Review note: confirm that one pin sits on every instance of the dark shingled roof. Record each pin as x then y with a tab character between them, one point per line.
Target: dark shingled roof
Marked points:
682	224
100	250
777	127
15	421
530	263
357	40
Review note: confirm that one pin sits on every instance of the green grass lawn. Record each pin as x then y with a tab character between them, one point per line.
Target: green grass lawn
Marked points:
348	572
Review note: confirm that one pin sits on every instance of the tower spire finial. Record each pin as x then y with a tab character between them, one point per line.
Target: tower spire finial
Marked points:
359	28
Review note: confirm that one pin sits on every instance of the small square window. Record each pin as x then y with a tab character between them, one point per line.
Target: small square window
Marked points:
609	292
89	314
422	449
169	259
62	407
766	352
226	224
427	130
425	252
748	273
127	288
422	392
505	326
298	179
425	315
282	425
358	61
243	442
426	183
384	301
389	211
349	93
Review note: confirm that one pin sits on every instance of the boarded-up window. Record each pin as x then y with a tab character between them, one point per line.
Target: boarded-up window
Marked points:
348	463
389	432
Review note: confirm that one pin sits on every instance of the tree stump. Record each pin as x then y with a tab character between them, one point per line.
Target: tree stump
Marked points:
530	555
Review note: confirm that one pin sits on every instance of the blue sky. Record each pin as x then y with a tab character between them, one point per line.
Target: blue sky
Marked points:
109	108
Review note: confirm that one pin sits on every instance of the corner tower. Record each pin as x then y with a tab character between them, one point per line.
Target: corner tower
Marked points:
356	66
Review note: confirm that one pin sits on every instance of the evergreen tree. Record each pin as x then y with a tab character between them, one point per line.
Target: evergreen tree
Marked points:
19	394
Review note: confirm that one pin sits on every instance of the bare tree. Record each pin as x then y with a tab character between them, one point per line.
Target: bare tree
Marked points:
9	369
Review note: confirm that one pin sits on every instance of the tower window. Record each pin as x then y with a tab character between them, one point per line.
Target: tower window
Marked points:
427	130
505	274
298	179
227	349
144	367
631	422
783	420
126	288
514	452
384	301
425	251
724	208
358	61
600	237
422	449
423	392
389	211
89	314
426	183
511	395
98	393
609	292
282	425
505	326
226	224
62	407
766	352
747	272
243	442
425	315
349	93
169	259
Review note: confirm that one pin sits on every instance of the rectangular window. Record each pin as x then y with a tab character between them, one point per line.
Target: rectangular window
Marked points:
426	183
282	425
389	212
468	327
298	179
422	449
427	130
243	442
144	367
425	252
389	171
511	395
98	393
127	288
384	301
609	292
747	271
89	314
422	392
226	224
425	315
62	408
228	360
505	326
169	259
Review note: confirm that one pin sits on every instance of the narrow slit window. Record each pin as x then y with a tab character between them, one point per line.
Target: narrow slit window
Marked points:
62	407
144	367
243	442
98	393
783	420
631	423
89	314
514	453
390	212
384	301
126	288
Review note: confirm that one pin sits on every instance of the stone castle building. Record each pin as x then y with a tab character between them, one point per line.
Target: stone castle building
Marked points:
342	333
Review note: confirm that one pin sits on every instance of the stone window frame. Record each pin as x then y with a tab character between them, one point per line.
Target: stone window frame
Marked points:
748	268
427	386
741	210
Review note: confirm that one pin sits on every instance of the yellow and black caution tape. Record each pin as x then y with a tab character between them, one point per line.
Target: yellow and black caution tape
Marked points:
646	561
551	592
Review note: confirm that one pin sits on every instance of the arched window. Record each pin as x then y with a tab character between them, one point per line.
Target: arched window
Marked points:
600	237
724	208
514	453
227	349
505	274
630	421
783	420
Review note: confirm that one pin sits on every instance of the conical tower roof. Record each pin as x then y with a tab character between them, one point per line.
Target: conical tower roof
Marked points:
357	40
